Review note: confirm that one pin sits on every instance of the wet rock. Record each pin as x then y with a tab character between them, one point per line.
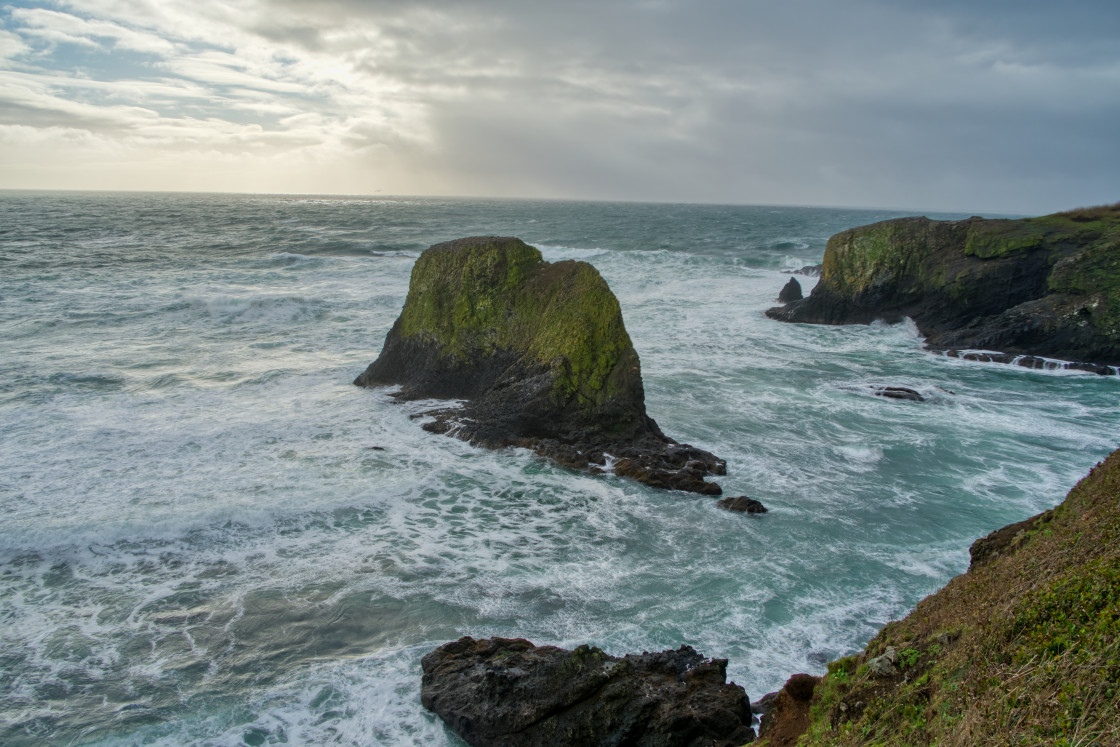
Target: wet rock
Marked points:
742	504
812	271
502	691
899	392
1032	361
1034	288
764	704
790	292
541	356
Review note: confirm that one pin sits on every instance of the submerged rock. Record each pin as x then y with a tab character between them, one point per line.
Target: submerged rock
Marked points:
1032	361
898	392
790	292
540	354
742	504
503	691
1046	286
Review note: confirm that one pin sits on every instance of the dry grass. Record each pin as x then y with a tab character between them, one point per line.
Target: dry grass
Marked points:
1022	650
1089	214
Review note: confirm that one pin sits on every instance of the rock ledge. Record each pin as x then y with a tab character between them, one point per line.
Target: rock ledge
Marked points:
506	691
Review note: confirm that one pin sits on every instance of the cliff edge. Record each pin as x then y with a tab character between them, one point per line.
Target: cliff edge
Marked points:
1047	286
1022	649
540	353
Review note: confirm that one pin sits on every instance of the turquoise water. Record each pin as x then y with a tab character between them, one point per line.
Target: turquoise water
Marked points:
200	546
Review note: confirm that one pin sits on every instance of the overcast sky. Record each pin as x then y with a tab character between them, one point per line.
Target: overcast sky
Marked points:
974	105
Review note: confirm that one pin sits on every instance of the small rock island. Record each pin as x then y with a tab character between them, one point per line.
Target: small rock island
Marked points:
1047	286
506	691
540	355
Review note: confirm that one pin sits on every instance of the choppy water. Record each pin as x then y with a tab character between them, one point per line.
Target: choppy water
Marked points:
200	546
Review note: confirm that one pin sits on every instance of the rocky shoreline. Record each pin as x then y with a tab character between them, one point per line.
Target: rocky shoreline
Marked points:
539	353
1034	289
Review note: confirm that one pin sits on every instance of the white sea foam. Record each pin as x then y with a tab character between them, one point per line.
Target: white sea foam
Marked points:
560	253
208	527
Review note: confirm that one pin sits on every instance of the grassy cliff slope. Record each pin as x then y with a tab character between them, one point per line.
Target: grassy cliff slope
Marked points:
1023	649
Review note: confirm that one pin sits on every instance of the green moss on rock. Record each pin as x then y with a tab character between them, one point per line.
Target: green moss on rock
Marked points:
473	298
1046	286
541	355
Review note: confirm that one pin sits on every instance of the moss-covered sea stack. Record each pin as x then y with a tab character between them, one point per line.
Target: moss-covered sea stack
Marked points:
1046	286
541	355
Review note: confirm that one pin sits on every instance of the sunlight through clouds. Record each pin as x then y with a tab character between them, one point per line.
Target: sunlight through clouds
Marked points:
807	102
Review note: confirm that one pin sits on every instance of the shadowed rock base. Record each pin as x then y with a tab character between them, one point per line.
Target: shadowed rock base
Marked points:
540	355
1032	289
506	691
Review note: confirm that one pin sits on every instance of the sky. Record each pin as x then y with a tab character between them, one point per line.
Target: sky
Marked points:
1006	106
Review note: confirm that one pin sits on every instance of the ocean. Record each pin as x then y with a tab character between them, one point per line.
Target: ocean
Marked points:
211	537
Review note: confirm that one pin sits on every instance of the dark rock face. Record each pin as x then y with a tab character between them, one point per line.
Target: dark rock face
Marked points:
1006	539
1046	286
790	292
812	271
503	691
1032	361
541	355
741	504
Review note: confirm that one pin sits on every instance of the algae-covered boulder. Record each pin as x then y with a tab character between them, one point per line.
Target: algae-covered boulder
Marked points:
506	691
539	351
1046	286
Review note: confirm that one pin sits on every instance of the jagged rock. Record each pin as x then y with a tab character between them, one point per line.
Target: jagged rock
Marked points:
541	355
812	271
1005	539
1046	286
790	292
1031	361
761	706
503	691
884	665
899	392
742	504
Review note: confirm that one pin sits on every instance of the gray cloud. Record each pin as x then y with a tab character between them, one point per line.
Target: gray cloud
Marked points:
1000	106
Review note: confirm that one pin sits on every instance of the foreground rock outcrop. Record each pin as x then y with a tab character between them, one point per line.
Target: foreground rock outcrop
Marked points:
1024	648
1046	286
540	354
505	691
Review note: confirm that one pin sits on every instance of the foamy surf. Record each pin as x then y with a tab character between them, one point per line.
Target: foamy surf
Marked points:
212	537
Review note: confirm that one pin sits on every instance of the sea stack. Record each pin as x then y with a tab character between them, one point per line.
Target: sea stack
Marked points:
540	353
1046	286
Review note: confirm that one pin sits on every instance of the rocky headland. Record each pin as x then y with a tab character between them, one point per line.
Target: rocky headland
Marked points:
506	691
1024	648
1027	289
541	356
